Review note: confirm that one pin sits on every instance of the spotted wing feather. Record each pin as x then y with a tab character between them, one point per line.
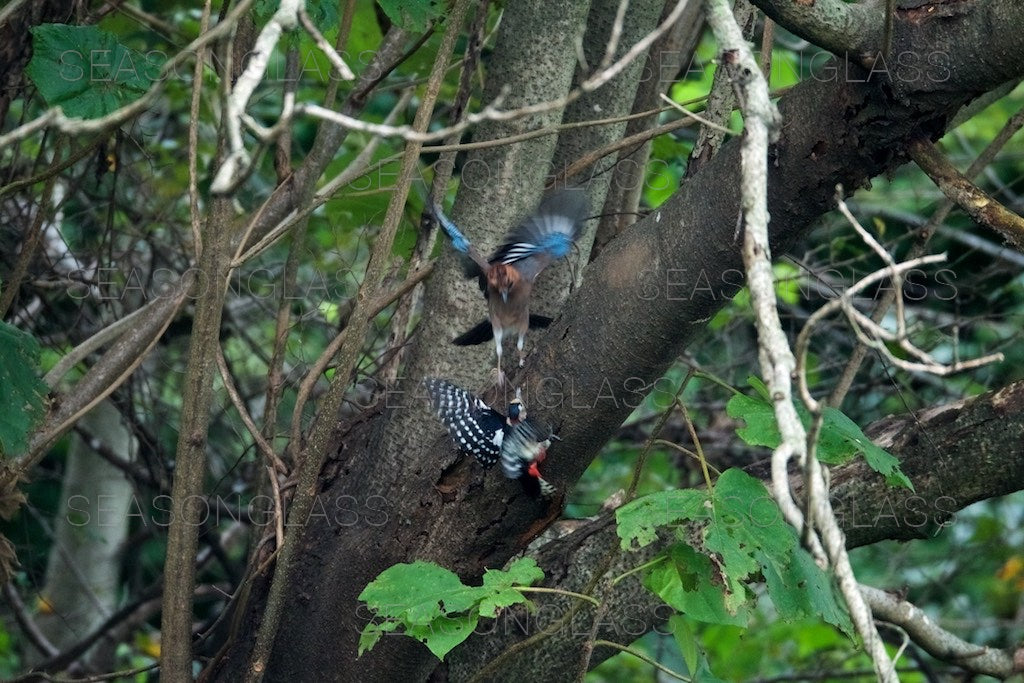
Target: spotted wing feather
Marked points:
476	429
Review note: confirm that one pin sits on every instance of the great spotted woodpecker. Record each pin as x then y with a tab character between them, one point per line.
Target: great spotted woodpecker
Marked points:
519	443
506	279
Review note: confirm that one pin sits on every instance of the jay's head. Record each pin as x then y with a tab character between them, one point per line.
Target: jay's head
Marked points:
502	279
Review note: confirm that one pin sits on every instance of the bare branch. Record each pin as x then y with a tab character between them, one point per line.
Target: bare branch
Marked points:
332	55
284	19
968	196
938	642
761	121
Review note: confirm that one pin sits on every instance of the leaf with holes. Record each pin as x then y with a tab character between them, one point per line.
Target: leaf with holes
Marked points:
840	441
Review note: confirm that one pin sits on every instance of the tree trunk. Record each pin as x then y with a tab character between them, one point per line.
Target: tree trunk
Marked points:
396	492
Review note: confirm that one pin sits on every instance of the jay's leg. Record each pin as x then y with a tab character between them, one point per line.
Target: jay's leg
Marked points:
498	333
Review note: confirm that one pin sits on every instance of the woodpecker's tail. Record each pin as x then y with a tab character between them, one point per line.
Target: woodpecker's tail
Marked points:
537	487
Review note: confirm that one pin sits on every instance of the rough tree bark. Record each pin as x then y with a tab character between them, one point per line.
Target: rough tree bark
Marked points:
394	492
955	454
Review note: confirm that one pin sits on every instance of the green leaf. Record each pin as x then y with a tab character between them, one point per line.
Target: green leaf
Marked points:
412	15
690	583
685	639
444	634
748	524
431	604
840	441
845	438
787	282
418	593
372	633
759	415
703	673
523	572
86	71
23	399
736	536
805	590
639	520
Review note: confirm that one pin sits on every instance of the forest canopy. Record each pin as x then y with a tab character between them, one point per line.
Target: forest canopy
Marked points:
481	340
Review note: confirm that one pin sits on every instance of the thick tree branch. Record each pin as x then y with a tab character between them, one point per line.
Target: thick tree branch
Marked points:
956	455
933	46
319	441
847	30
395	492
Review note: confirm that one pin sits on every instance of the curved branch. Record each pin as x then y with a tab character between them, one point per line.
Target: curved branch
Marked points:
938	642
842	29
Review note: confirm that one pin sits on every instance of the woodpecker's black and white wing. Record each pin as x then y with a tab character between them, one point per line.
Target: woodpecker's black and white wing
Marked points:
476	428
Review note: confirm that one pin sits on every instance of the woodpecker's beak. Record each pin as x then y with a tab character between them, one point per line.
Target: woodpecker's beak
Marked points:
504	295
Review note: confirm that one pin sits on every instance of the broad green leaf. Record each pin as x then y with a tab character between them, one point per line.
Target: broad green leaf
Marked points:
747	523
737	537
804	590
679	626
759	415
86	71
412	15
693	585
849	438
523	572
640	519
840	441
431	604
443	635
23	399
418	593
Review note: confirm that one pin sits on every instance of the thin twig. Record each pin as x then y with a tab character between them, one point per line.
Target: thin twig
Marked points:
28	626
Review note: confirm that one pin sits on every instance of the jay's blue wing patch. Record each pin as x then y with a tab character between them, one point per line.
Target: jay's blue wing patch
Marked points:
459	241
548	232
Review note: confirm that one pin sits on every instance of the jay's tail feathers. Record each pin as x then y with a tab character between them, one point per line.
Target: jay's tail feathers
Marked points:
482	331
